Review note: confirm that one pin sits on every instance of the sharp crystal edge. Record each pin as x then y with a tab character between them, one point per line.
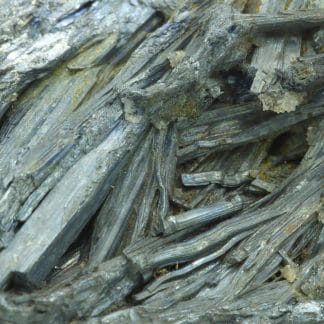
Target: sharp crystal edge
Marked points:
200	216
55	132
114	114
204	178
54	225
114	214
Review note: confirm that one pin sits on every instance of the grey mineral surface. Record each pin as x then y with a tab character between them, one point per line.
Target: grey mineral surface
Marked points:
161	161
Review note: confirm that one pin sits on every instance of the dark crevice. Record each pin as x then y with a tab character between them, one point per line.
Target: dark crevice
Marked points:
119	54
185	42
20	224
250	54
82	9
238	84
155	74
76	254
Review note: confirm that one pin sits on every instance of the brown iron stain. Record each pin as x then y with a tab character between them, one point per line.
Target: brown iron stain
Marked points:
291	228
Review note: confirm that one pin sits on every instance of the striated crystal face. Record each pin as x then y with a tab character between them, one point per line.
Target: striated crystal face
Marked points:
161	161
